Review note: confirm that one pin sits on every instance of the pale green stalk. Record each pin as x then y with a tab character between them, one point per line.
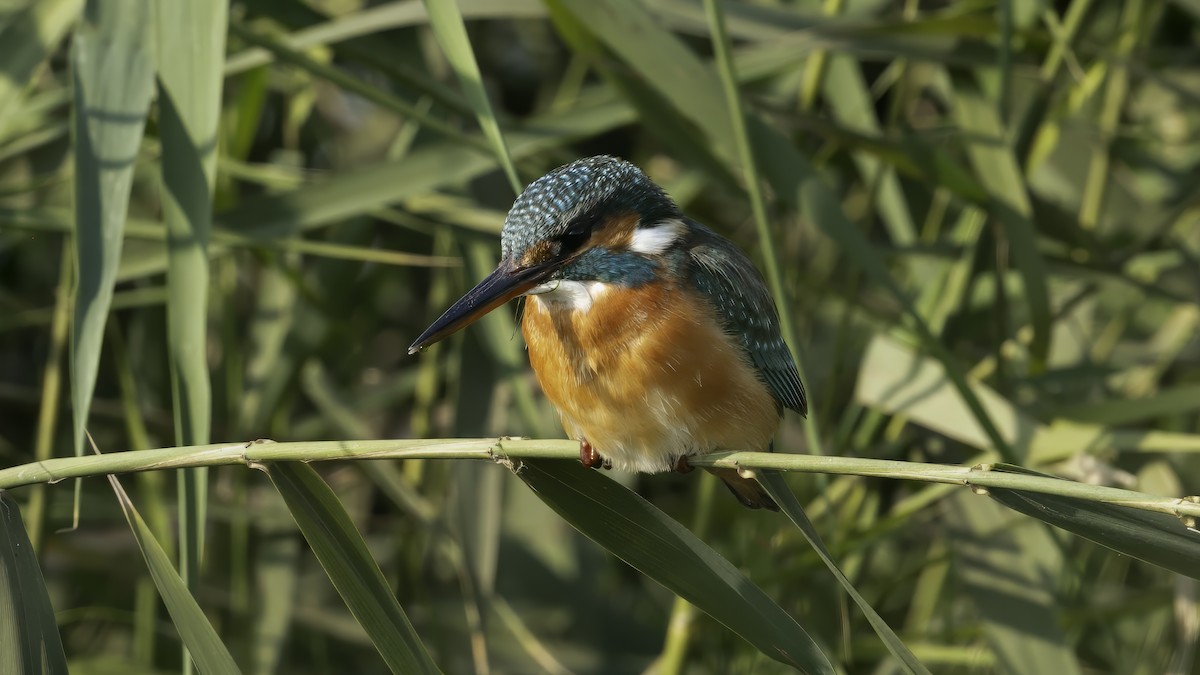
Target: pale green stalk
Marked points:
683	613
729	82
510	451
815	64
1064	37
1110	117
51	387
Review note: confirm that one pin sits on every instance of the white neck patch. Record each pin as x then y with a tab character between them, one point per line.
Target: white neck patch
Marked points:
657	238
570	295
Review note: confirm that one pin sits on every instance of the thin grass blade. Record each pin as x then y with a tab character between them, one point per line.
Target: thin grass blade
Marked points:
777	487
51	400
897	380
1179	400
29	640
447	23
646	538
745	153
199	637
341	550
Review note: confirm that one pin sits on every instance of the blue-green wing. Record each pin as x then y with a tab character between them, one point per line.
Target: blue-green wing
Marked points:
730	281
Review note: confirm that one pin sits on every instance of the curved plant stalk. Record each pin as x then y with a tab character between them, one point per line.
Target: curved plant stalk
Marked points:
1157	530
745	150
979	477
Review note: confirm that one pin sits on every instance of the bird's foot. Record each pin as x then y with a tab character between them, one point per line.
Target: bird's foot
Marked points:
588	457
682	465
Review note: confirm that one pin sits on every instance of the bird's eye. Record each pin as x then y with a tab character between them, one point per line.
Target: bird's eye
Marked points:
572	240
575	236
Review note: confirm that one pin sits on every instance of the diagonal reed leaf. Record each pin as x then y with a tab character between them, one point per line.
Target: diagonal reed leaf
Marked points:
29	641
447	23
362	190
203	645
355	85
896	379
344	555
774	484
646	538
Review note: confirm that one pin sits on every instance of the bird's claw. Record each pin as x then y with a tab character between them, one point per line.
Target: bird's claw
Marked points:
682	465
588	457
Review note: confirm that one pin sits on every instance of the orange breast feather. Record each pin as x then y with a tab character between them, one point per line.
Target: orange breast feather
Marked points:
646	375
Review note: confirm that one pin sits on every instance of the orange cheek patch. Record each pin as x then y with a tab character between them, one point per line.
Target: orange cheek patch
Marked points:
616	233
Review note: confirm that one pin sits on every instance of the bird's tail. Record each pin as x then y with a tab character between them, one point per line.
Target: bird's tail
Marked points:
747	490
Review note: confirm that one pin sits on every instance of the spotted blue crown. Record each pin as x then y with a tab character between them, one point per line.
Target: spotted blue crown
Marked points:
586	189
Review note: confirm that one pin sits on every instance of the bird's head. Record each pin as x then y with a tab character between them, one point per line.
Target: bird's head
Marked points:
595	219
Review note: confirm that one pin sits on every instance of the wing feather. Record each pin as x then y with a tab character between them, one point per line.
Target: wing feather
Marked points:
725	276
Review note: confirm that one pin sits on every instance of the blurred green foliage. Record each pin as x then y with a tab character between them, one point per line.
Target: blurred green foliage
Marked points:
997	198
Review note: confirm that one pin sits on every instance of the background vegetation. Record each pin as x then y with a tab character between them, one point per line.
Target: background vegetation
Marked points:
985	222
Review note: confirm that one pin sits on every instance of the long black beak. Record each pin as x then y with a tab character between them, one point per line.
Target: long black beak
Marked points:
505	283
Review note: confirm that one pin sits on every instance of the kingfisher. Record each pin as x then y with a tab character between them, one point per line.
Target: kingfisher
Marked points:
654	337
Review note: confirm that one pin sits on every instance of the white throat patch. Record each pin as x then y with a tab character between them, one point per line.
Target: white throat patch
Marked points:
657	238
570	295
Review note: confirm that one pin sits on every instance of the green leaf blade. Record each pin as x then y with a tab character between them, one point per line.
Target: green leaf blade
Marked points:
29	640
774	484
113	65
1156	538
646	538
191	38
996	166
203	645
354	573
